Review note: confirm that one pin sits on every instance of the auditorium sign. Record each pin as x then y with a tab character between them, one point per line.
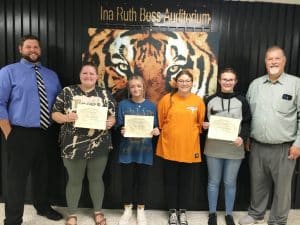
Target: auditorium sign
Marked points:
166	17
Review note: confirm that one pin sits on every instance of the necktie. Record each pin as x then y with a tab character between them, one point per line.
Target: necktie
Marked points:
44	118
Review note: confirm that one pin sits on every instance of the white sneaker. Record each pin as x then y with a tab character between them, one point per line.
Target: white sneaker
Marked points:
141	217
124	220
249	220
182	217
173	219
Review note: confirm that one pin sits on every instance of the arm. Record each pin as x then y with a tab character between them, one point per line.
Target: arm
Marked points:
205	124
294	151
162	110
5	90
5	127
61	110
155	130
64	118
111	120
201	114
245	123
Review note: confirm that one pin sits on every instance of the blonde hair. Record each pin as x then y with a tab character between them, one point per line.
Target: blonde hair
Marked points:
139	78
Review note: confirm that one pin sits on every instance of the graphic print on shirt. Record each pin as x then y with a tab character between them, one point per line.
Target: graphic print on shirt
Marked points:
83	143
138	150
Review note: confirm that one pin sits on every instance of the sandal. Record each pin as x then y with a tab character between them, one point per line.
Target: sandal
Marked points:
69	218
102	219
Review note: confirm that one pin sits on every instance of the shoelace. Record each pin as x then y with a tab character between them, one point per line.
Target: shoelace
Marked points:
173	219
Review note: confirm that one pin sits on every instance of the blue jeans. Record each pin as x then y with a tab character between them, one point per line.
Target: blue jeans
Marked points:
229	169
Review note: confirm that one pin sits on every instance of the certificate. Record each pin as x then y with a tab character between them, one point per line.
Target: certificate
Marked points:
223	128
91	116
138	126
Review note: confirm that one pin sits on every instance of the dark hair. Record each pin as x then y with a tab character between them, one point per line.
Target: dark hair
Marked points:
227	70
90	64
174	90
184	72
28	37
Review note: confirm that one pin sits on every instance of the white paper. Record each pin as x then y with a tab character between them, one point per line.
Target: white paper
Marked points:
91	116
223	128
138	126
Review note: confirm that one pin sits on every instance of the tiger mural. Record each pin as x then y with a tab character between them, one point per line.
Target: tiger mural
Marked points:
156	56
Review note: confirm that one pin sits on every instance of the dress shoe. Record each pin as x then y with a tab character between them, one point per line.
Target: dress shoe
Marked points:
50	213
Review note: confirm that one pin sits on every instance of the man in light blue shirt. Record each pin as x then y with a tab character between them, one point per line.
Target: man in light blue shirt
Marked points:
25	142
275	131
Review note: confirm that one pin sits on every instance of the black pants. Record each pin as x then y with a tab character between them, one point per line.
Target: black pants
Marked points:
26	150
178	184
134	180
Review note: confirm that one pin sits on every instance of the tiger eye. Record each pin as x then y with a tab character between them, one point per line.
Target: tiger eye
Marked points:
123	67
174	69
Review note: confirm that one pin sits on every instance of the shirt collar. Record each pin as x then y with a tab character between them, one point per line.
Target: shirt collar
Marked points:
30	64
280	80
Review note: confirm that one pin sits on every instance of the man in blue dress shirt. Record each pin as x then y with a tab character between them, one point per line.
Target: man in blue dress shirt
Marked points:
25	142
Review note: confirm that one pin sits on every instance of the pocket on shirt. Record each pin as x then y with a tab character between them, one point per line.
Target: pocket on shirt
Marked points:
285	106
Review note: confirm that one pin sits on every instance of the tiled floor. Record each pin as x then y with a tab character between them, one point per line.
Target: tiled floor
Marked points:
155	217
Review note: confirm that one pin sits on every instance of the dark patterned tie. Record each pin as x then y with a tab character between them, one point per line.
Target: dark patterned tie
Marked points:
45	118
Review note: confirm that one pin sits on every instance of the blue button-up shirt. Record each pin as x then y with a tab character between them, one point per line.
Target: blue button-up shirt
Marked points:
19	97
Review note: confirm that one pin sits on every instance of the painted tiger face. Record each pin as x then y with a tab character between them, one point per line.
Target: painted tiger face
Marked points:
156	56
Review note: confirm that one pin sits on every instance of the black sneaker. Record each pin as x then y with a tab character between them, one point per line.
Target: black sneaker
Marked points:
50	213
182	217
212	219
173	220
229	220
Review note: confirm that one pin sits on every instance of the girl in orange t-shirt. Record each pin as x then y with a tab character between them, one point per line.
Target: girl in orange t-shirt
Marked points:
180	116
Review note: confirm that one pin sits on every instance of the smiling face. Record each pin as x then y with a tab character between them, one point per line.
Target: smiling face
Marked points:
88	77
30	50
136	88
275	62
184	84
227	82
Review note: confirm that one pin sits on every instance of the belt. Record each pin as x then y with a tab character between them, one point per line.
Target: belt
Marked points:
263	143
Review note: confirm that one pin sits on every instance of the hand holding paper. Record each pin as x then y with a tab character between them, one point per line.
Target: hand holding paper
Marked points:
138	126
223	128
91	116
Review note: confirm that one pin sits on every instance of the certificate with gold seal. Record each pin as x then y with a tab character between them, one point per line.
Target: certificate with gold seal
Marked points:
138	126
223	128
91	116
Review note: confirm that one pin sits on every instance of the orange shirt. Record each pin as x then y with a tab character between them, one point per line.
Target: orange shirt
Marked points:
180	120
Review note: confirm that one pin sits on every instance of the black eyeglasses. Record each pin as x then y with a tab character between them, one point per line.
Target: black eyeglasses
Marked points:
184	81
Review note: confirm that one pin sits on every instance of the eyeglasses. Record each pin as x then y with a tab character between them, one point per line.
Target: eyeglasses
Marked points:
228	80
184	81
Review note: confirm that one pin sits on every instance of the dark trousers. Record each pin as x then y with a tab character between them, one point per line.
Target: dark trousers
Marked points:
26	150
178	184
134	180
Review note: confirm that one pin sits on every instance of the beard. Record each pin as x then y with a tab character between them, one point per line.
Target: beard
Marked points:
28	58
274	71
